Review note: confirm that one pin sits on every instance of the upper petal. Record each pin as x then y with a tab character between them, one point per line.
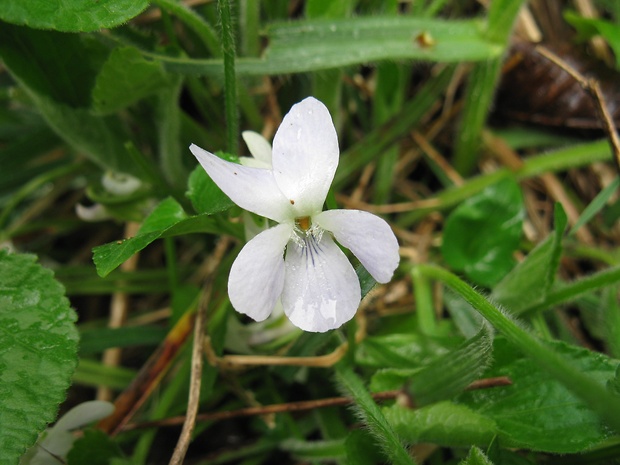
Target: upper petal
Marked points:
321	290
257	275
259	147
369	237
305	155
253	189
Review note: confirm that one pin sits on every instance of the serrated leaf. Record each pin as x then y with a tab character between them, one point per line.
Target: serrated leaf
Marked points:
537	412
476	457
529	282
483	232
94	448
71	15
167	220
125	78
449	374
38	351
444	423
204	194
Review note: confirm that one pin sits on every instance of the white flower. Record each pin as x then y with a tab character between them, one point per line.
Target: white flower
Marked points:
297	260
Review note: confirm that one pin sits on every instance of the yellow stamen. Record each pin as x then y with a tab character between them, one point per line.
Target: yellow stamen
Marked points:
303	223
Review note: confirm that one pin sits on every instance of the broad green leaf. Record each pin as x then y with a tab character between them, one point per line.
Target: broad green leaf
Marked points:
125	78
529	282
204	194
481	234
167	220
476	457
408	350
38	351
58	71
94	448
372	416
52	64
537	412
312	45
444	423
71	15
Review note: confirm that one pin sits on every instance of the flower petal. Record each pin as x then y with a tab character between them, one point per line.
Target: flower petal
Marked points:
253	189
257	275
369	237
321	290
259	147
305	155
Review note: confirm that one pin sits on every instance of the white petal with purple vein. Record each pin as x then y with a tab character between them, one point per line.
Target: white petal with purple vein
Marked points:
321	290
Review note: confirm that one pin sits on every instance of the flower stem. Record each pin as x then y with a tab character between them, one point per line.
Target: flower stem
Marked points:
592	392
230	81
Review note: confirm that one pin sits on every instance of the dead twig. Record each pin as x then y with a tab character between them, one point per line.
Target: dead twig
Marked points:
486	383
593	88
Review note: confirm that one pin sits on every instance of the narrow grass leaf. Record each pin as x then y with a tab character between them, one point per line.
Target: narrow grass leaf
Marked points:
596	205
312	45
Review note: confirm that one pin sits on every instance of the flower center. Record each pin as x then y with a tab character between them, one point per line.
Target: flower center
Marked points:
304	231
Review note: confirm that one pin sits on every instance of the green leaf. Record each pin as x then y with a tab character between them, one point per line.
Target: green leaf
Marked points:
312	45
125	78
38	351
536	411
597	204
530	281
483	232
100	339
52	64
58	71
444	423
204	194
167	220
476	457
449	374
591	27
94	448
71	15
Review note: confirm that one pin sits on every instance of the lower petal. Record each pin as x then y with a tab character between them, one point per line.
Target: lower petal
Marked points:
321	290
257	275
369	237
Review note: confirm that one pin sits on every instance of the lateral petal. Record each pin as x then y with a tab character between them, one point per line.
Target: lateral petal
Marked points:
257	274
253	189
321	290
369	237
305	155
